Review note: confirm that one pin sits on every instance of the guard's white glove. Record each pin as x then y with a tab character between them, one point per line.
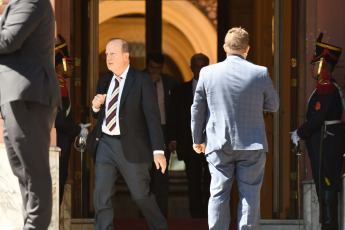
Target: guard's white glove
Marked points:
294	137
84	131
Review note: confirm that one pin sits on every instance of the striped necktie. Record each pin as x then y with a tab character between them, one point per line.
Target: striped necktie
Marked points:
112	106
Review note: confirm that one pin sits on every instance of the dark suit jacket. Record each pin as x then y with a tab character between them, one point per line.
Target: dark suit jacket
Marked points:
27	40
179	119
65	125
169	83
140	126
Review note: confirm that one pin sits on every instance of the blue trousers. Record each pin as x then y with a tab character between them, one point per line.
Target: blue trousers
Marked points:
248	168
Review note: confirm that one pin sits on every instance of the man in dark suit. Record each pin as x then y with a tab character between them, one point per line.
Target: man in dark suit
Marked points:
29	97
180	139
127	110
164	85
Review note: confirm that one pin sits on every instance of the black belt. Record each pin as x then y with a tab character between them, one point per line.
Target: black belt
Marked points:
113	136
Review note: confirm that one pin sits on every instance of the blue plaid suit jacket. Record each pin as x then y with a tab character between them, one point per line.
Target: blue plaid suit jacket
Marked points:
227	112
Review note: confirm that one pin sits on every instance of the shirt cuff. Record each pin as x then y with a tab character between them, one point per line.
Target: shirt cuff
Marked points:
95	110
158	152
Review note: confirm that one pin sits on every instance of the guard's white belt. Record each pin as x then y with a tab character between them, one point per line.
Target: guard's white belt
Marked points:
332	122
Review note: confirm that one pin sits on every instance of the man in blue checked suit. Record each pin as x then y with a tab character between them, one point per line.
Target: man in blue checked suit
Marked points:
228	126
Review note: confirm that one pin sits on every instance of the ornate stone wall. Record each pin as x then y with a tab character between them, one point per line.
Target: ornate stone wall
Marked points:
209	9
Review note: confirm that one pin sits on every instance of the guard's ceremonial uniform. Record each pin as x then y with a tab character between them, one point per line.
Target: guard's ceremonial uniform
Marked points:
323	133
64	121
324	108
66	129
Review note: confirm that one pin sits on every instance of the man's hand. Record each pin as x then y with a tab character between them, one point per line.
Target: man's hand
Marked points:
172	146
98	100
199	148
160	161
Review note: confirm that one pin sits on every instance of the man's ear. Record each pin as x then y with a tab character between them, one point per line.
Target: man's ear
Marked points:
226	49
247	49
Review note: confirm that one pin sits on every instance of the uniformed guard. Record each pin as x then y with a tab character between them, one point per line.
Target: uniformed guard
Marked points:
66	129
323	132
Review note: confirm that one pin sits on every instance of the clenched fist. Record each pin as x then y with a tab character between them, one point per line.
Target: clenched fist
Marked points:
98	100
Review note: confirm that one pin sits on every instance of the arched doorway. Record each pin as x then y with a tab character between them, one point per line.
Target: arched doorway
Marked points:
186	31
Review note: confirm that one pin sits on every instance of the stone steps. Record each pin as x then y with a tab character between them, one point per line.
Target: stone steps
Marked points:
281	225
87	224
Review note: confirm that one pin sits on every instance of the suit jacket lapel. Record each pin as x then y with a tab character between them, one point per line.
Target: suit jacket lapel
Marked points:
106	83
104	90
130	78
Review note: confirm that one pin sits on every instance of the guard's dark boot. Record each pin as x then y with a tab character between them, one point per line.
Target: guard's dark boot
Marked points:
329	208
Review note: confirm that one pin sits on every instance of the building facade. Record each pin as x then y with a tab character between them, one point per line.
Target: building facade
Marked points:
282	37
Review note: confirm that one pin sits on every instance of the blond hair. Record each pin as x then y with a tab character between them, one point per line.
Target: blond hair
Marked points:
237	38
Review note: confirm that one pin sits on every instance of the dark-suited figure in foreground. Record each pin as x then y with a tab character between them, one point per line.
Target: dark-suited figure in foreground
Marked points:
30	95
164	85
323	133
180	139
127	111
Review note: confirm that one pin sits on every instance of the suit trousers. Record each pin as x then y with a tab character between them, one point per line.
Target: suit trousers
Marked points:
27	127
199	178
159	184
109	164
248	167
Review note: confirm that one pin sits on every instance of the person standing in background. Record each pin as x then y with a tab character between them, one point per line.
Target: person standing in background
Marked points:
323	132
164	85
29	98
228	126
66	129
180	139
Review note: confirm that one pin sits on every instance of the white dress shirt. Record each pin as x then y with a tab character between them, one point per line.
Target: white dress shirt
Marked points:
116	130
